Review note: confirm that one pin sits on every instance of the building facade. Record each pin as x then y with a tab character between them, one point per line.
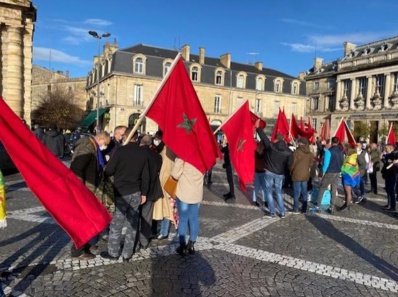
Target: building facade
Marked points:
17	18
129	78
362	86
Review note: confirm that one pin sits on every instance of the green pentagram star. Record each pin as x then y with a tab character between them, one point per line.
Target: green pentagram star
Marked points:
187	124
240	145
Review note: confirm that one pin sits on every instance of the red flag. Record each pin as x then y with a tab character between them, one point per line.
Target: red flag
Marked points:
391	138
65	197
254	118
281	127
344	134
178	112
302	126
325	132
296	131
241	143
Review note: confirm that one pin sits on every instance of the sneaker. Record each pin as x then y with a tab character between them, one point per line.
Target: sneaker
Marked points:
272	215
84	256
94	249
161	237
359	199
255	203
295	212
315	209
105	255
282	216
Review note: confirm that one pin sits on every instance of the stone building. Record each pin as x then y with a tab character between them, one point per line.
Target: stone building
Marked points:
362	86
129	78
17	18
44	80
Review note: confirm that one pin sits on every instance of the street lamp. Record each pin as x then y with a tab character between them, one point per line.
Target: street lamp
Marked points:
95	35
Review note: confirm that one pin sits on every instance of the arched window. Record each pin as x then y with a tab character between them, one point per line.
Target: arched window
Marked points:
195	73
219	77
259	84
139	66
166	68
240	83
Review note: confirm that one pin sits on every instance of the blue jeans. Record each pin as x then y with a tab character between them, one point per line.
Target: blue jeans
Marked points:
274	182
259	183
165	227
126	214
188	214
299	188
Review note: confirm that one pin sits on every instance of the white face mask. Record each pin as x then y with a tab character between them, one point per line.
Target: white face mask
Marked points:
103	147
156	142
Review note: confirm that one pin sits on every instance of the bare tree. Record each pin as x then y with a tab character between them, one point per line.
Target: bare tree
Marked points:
58	107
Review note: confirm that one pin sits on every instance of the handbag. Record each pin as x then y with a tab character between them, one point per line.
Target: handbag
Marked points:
370	167
170	187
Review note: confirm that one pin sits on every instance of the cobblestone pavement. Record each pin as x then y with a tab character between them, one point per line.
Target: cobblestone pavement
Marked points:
241	251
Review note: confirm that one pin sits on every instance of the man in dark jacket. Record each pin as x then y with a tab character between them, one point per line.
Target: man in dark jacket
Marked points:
277	160
155	191
303	160
129	166
54	141
39	132
228	169
331	170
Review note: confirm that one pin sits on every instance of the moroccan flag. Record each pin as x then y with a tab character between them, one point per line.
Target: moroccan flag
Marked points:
344	134
186	130
391	138
64	196
281	127
302	126
241	143
296	131
254	118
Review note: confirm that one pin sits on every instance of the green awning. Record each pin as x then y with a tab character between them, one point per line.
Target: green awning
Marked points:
91	117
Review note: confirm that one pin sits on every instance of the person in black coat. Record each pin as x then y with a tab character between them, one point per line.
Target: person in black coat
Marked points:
155	191
228	169
54	141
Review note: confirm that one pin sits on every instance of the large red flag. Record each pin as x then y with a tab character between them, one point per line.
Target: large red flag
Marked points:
178	112
325	132
296	131
344	134
241	143
391	137
281	127
65	197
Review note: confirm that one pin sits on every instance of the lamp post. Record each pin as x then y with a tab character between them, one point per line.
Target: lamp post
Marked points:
99	37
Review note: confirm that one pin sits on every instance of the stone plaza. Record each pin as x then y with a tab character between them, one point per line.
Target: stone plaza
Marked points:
241	251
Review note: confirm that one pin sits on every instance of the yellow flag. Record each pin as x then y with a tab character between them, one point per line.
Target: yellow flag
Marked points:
3	222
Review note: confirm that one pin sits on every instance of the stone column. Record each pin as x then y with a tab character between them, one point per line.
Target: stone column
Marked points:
338	95
353	94
28	48
13	88
387	88
369	92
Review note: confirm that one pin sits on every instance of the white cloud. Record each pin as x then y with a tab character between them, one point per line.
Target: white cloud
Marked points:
300	23
97	22
46	54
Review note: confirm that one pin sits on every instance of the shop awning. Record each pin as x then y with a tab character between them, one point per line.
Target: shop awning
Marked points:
91	117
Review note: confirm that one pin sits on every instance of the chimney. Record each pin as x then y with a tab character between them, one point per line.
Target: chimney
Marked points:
226	60
348	48
185	52
301	76
67	74
317	64
259	65
201	55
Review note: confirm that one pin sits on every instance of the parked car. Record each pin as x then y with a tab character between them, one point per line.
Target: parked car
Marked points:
5	160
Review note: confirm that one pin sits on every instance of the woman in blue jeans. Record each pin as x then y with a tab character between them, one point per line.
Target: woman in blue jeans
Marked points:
189	194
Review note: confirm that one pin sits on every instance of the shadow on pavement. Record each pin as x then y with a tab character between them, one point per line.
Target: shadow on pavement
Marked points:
327	229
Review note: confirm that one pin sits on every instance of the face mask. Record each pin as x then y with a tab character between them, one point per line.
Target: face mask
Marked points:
156	142
103	147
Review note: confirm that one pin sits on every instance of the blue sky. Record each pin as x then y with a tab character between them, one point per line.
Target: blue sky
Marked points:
285	35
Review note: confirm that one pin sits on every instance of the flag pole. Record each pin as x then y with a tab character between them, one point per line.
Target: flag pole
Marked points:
142	115
229	117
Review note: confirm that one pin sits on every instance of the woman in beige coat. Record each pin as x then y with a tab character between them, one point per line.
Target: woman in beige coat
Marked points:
189	195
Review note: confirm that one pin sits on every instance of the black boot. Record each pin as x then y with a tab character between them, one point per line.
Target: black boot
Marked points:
182	249
345	207
191	247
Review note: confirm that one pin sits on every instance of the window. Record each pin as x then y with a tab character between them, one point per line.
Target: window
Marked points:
277	87
137	95
362	86
139	66
259	84
241	81
316	85
258	107
396	82
166	68
217	104
195	74
347	88
315	103
276	109
219	77
380	84
314	122
331	84
332	103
